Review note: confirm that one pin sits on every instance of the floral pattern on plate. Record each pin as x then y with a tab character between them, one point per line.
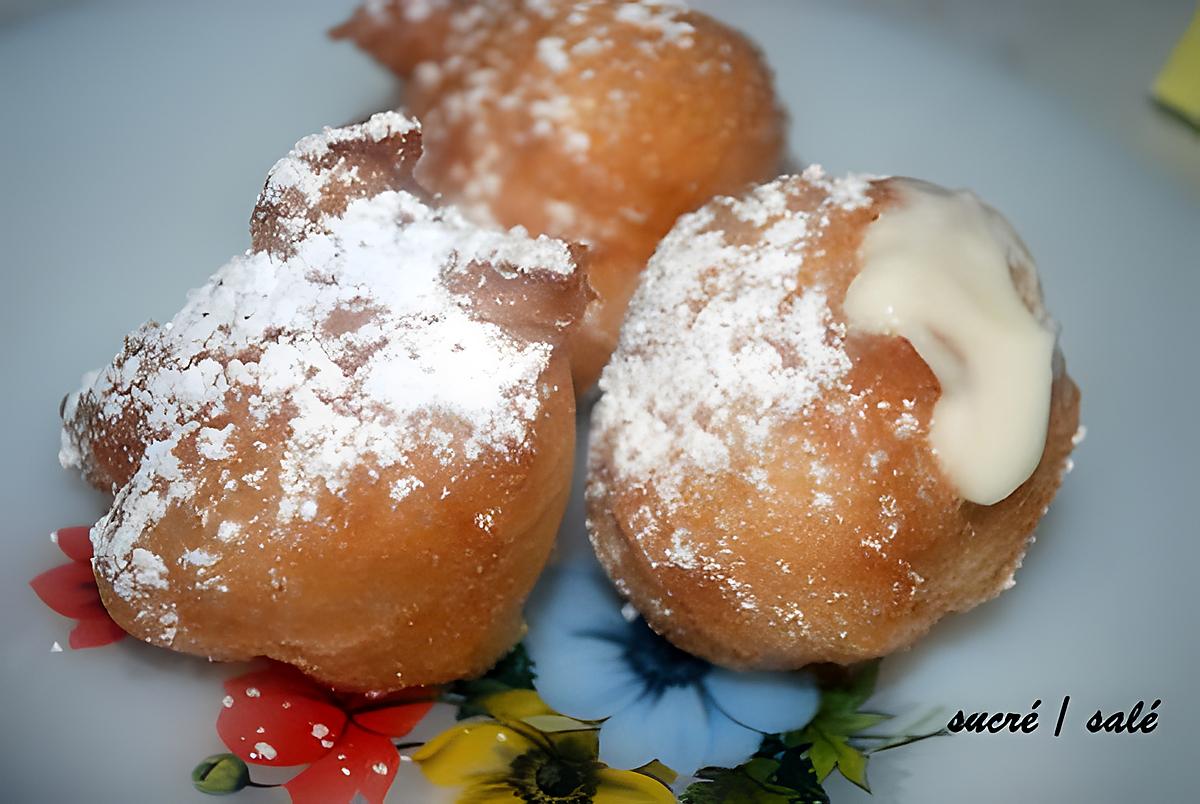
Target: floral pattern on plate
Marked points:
592	707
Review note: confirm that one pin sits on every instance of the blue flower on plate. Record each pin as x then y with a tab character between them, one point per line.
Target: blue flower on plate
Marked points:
597	660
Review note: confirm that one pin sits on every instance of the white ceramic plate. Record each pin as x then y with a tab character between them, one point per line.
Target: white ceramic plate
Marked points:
135	137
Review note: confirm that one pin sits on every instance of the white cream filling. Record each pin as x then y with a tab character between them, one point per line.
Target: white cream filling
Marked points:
948	273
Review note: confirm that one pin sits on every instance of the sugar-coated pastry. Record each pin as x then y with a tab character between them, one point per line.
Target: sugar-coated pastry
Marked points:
599	121
836	413
350	451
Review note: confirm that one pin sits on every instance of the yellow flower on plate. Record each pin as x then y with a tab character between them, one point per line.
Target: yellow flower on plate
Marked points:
530	753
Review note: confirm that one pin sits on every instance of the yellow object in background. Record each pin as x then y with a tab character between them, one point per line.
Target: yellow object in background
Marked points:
1178	85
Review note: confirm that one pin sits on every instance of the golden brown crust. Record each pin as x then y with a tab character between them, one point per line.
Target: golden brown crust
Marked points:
345	168
599	122
295	479
342	165
373	595
827	533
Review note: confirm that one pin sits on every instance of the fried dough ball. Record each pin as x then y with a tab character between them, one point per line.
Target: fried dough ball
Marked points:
351	450
598	121
762	483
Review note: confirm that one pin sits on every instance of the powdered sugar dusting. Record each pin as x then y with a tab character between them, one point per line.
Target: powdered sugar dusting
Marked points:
293	170
729	342
737	338
358	347
748	447
212	443
473	80
661	16
306	171
552	53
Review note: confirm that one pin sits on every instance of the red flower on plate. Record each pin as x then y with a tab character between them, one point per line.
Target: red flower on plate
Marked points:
279	716
71	591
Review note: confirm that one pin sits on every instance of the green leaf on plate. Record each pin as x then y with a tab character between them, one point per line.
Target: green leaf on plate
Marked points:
829	751
220	775
762	780
796	772
826	740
